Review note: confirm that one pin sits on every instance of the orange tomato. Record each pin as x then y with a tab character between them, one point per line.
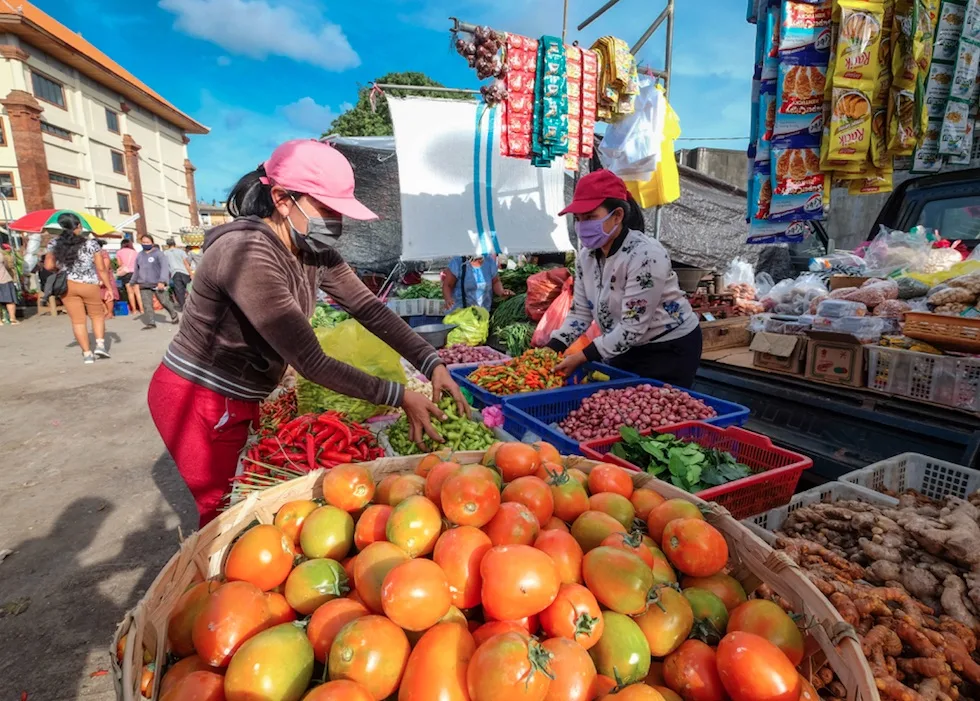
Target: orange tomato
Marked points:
327	621
349	568
603	686
547	452
414	526
340	690
470	499
436	478
672	696
263	556
290	517
566	553
180	669
691	671
314	583
382	493
370	569
488	473
572	669
666	622
807	692
180	627
146	679
459	552
667	512
370	527
493	628
593	527
516	460
509	666
616	505
579	476
645	501
610	478
415	595
555	524
327	532
663	573
349	487
518	581
275	664
571	499
547	470
405	486
197	686
533	493
438	665
513	524
753	669
637	692
232	614
428	462
279	609
574	614
630	542
695	547
371	651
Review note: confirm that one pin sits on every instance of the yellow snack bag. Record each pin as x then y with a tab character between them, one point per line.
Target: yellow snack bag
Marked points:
879	137
902	121
850	125
858	42
875	184
904	28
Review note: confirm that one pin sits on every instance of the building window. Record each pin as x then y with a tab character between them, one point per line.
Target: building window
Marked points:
111	120
7	186
48	90
122	199
62	179
3	134
56	131
118	162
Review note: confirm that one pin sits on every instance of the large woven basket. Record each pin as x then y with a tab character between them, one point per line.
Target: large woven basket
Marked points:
830	641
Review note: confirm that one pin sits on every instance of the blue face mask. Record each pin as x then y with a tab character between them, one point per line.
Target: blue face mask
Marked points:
147	246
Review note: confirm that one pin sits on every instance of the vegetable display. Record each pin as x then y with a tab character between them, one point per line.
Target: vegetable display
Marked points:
422	290
642	407
688	465
516	280
460	433
533	370
460	354
325	316
516	337
509	311
273	413
312	441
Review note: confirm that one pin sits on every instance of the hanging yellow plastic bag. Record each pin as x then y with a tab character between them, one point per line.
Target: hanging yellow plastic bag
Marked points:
472	326
350	343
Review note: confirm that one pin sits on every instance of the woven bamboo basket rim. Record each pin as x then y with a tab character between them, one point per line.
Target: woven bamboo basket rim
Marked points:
953	332
830	641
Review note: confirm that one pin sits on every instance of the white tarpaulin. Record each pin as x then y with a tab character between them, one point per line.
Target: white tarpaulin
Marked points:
459	196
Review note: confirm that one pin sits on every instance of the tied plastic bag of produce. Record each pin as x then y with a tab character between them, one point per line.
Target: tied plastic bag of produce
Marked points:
542	289
555	316
472	326
739	272
350	343
892	251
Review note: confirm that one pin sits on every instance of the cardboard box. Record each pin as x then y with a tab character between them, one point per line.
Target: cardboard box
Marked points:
838	281
834	357
776	351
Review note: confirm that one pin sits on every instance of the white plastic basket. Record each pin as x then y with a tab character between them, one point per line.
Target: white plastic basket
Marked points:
407	307
940	379
934	478
435	307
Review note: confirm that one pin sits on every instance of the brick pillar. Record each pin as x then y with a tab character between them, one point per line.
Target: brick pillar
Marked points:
24	113
132	152
191	191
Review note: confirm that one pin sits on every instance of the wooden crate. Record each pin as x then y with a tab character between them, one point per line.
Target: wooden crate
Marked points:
725	333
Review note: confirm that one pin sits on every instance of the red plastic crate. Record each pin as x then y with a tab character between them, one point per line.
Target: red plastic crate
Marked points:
777	471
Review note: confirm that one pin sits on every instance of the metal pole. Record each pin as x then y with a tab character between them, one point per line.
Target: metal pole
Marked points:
390	86
668	61
564	23
650	30
595	15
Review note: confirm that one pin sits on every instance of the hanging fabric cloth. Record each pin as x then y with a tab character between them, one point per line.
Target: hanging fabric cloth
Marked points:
664	186
550	129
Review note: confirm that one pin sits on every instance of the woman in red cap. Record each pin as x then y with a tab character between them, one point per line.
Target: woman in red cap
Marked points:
624	282
247	318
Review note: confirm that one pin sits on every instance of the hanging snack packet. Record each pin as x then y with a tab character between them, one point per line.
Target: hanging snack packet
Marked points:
799	104
879	138
798	184
875	184
850	125
770	53
902	138
858	42
804	36
904	28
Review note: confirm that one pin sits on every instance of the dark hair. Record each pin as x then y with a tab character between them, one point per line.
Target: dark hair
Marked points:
251	197
171	242
632	214
147	236
126	243
102	242
67	245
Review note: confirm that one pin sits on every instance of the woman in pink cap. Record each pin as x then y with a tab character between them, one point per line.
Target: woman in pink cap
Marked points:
247	318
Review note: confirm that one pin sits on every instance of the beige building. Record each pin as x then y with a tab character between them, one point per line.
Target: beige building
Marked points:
213	214
80	132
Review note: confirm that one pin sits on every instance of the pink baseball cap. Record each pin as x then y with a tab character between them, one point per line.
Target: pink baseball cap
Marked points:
319	170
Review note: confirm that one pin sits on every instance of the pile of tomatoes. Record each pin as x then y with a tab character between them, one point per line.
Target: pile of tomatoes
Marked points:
518	579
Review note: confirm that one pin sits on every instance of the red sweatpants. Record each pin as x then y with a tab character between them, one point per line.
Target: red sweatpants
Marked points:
204	433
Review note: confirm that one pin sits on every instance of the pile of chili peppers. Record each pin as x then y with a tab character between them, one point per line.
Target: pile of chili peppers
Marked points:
274	413
532	371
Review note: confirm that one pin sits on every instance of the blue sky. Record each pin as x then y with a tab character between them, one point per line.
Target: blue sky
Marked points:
259	72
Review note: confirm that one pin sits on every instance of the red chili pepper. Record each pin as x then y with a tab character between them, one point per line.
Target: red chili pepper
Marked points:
342	427
310	451
335	456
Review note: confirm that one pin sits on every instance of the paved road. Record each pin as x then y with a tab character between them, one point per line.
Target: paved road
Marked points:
90	503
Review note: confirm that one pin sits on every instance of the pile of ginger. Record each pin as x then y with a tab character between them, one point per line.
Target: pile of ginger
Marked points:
907	578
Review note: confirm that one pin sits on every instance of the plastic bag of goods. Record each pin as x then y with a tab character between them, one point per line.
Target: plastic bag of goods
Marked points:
555	316
837	308
542	289
892	251
472	326
739	272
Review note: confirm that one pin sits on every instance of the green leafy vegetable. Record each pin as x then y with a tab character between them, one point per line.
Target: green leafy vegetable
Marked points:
423	290
509	311
516	280
325	316
517	337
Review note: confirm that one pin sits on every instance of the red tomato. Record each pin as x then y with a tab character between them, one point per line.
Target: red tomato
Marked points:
263	556
565	551
691	672
290	517
630	542
516	460
438	665
349	569
382	494
415	595
753	669
279	609
572	670
232	614
275	664
667	621
509	666
513	524
314	583
348	487
695	547
370	569
371	526
491	629
571	499
180	627
487	473
620	580
340	690
645	501
602	687
327	621
574	614
768	620
547	452
721	585
533	493
459	552
414	526
579	476
436	478
616	505
807	692
555	524
518	581
428	463
327	532
470	499
371	651
405	486
610	478
547	470
667	512
197	686
593	527
182	668
637	692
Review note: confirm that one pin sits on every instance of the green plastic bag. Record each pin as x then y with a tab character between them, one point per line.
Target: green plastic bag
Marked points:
350	343
472	326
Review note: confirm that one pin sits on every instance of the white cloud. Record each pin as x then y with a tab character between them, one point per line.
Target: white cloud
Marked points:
223	61
305	113
262	28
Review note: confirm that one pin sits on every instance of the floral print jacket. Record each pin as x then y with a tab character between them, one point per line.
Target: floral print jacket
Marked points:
632	295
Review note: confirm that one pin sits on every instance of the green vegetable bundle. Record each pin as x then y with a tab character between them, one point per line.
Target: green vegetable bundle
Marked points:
423	290
509	311
516	337
690	466
325	316
459	432
516	280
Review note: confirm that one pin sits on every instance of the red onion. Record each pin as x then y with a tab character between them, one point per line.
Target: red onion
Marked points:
644	406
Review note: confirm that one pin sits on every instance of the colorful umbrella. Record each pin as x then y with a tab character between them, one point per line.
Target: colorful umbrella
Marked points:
48	219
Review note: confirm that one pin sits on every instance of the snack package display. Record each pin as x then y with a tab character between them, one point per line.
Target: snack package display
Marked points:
804	36
878	182
904	25
770	53
858	42
902	138
837	308
799	104
867	329
850	125
797	326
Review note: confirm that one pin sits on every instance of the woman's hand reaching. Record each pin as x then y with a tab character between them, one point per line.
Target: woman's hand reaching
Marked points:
443	383
419	410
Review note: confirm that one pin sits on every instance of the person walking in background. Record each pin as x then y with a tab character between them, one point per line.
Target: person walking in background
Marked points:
78	257
469	282
110	293
126	258
180	271
151	274
194	256
8	292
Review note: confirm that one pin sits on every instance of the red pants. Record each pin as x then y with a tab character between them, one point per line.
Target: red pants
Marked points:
204	433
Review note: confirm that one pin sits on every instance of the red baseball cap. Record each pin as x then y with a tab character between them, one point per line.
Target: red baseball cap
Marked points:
594	189
319	170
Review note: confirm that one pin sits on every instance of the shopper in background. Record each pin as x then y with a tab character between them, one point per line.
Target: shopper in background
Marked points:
110	294
472	282
126	258
8	291
151	275
180	271
193	257
78	257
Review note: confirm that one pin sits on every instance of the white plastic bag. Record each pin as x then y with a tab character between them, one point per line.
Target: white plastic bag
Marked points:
739	272
892	251
763	283
630	148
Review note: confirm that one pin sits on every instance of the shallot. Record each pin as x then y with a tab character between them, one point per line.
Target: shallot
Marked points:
463	354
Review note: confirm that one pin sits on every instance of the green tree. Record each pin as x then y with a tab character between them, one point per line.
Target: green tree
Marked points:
362	120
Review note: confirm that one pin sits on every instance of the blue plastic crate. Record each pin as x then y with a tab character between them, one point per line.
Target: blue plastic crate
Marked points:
536	412
483	398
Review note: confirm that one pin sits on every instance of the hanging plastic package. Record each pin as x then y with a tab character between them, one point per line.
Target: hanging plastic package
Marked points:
542	289
472	326
664	186
554	317
631	147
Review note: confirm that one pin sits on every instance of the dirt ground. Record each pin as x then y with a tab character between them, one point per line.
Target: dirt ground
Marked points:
90	503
